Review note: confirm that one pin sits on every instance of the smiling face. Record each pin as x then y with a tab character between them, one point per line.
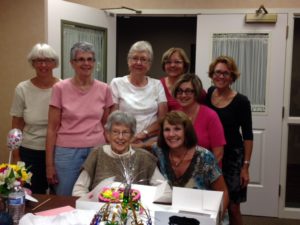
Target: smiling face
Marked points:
222	77
83	64
174	65
139	63
186	95
43	66
119	138
173	135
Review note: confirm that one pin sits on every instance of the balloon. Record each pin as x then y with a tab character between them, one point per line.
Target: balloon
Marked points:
14	139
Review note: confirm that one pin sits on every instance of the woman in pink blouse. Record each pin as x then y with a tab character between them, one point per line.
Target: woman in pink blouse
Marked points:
207	125
78	110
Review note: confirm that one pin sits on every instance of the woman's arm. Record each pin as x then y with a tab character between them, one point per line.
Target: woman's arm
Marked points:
220	185
81	187
218	153
153	129
19	123
54	119
245	177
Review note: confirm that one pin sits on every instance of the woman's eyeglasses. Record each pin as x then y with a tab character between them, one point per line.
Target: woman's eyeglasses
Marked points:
176	62
83	60
187	91
138	59
116	133
218	73
43	60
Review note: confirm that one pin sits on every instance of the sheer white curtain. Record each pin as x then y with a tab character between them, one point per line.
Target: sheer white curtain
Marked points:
250	52
73	34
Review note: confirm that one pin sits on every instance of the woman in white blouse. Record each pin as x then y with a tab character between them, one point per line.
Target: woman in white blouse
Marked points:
139	94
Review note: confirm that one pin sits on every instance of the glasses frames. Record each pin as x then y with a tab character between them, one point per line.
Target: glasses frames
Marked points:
47	61
125	134
187	91
176	62
141	60
218	73
83	60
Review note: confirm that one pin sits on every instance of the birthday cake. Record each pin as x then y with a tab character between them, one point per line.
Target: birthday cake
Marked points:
115	195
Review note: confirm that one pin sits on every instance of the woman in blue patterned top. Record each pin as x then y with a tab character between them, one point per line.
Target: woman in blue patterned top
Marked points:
182	161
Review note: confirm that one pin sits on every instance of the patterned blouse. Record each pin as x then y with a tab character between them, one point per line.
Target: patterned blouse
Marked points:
201	173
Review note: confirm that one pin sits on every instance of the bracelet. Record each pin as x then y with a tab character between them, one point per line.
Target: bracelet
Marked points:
146	132
247	162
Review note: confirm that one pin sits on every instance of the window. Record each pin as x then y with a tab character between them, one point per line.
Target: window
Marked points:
74	32
250	52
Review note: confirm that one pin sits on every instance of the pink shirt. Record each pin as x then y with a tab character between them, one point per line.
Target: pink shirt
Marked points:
81	113
209	129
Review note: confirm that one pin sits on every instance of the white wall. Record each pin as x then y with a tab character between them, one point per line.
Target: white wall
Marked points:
57	10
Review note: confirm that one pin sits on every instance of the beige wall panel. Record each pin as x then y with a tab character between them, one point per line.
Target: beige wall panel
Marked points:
22	25
189	4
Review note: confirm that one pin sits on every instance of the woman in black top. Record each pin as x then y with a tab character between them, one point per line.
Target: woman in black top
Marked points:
234	111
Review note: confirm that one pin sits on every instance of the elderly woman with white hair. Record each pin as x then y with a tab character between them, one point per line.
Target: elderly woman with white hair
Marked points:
105	161
139	94
29	113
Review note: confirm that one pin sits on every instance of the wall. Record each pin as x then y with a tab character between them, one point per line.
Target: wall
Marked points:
22	25
189	4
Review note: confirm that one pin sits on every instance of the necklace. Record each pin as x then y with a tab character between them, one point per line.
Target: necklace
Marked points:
222	99
177	164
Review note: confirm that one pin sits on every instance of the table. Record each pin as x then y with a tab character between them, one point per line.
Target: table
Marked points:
49	202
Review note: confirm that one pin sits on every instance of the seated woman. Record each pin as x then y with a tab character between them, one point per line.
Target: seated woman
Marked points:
105	161
182	161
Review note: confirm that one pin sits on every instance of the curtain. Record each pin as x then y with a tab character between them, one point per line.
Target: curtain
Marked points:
73	34
250	52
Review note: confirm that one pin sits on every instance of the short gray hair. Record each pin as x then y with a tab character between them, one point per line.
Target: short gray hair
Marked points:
121	118
82	47
42	50
141	46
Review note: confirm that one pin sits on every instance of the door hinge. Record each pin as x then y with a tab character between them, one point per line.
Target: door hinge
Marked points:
279	190
282	112
287	32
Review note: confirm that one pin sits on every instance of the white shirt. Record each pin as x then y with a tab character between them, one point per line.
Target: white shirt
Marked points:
141	102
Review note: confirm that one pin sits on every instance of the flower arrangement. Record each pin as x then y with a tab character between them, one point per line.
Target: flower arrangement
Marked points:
9	173
115	195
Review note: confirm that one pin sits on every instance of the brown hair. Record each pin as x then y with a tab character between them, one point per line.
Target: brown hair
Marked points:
167	54
229	62
175	118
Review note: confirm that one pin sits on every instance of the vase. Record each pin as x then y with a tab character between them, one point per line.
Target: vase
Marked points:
3	203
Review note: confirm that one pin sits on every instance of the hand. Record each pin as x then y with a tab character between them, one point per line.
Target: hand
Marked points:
139	137
245	178
51	175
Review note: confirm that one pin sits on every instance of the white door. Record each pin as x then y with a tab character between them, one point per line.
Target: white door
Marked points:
263	189
58	10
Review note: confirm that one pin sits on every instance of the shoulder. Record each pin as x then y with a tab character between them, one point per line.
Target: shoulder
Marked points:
145	154
210	90
62	83
205	154
117	80
153	81
100	84
242	99
205	110
24	85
